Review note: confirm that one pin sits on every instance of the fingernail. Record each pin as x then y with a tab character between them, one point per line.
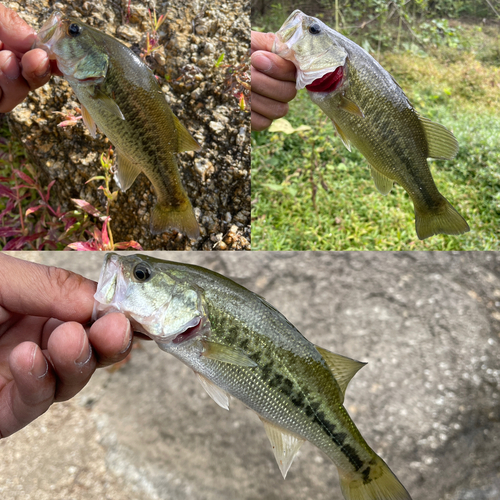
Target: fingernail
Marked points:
10	68
261	62
127	340
85	353
43	68
39	365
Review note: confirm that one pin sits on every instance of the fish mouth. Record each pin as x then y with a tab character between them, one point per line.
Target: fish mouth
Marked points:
330	82
49	33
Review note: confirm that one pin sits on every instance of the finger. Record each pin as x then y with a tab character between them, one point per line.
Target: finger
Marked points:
260	122
36	68
30	393
270	87
268	107
13	88
45	291
273	66
111	338
14	32
262	41
72	359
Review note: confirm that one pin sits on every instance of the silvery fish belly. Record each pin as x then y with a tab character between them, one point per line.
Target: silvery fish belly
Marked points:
120	95
371	112
239	345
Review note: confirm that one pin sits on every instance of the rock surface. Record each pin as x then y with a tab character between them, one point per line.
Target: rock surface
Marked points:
204	97
428	401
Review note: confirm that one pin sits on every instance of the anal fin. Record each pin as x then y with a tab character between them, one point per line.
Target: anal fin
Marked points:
382	183
285	445
220	396
185	141
441	143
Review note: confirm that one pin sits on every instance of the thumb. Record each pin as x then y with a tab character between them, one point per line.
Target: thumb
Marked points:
16	35
50	292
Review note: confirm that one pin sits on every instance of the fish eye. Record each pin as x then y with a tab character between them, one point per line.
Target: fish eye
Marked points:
314	29
142	272
74	30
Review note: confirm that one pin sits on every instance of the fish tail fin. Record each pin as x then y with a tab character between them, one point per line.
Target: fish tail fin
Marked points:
444	220
375	482
181	217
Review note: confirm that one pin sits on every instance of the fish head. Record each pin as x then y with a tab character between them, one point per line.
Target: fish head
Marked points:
312	46
156	300
75	47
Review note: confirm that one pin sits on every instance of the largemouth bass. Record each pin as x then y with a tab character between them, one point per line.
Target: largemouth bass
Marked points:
239	345
120	95
370	111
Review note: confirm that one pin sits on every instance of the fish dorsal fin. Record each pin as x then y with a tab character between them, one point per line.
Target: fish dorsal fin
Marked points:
126	171
226	354
185	141
89	122
350	107
220	396
382	183
285	445
107	103
440	141
343	368
345	140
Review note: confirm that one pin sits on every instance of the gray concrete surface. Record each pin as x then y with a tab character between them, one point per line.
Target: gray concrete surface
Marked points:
428	324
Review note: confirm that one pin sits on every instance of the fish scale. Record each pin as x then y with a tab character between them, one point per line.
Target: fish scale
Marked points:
241	346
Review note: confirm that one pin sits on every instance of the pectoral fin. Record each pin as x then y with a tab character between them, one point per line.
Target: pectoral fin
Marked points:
440	141
343	368
285	445
345	140
226	354
89	122
350	107
107	103
186	142
126	172
382	183
220	396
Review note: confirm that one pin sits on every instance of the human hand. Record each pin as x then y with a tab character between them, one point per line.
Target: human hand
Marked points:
46	355
21	69
273	82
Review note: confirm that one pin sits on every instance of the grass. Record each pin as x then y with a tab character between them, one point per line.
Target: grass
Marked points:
310	193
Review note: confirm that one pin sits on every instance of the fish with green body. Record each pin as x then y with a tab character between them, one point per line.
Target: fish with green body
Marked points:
239	345
121	95
370	111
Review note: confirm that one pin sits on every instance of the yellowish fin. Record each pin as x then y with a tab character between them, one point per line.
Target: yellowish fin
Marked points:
126	171
285	445
220	396
382	183
343	368
186	142
350	107
226	354
345	140
441	142
107	103
89	122
164	217
446	220
375	482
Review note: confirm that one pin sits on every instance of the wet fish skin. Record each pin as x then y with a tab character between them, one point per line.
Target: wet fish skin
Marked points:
120	95
240	345
371	112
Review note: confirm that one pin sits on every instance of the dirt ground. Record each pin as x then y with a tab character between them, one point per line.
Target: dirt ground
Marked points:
428	401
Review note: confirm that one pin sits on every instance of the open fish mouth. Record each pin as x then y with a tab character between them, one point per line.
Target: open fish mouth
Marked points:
49	34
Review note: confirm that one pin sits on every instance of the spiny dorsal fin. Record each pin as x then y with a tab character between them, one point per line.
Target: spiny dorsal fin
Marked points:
185	142
89	122
350	107
226	354
345	140
220	396
440	141
126	171
382	183
343	368
285	445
